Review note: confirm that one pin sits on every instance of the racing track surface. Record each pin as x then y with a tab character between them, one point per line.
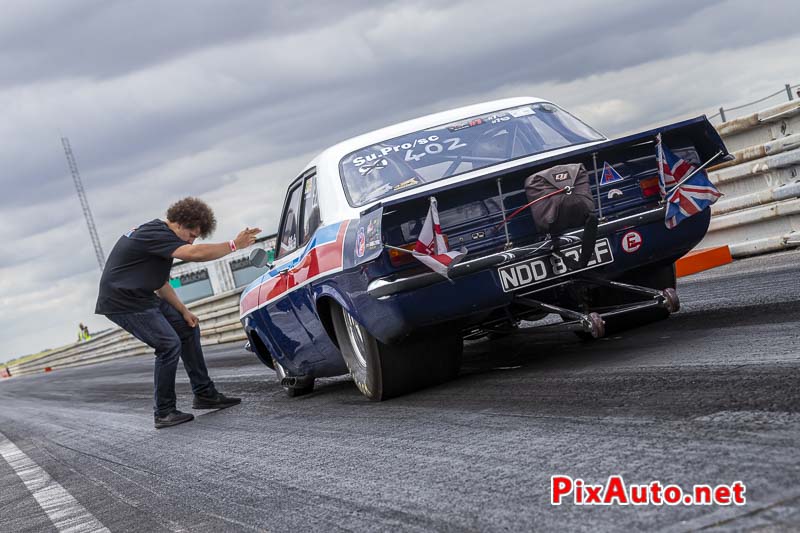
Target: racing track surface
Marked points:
708	396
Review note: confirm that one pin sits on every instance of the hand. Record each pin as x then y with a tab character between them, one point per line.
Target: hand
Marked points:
246	237
191	319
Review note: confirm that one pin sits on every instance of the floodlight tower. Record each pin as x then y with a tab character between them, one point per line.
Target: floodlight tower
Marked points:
87	213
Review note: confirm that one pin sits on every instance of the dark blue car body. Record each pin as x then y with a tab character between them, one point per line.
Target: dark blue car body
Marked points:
287	312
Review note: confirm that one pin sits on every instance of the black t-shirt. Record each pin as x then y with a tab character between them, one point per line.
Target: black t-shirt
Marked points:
138	265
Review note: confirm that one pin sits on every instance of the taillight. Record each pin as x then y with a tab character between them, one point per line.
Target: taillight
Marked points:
398	258
649	187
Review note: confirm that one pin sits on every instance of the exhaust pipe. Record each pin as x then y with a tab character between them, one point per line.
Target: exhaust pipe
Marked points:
297	382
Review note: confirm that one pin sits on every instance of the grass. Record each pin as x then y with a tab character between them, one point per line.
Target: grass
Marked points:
26	358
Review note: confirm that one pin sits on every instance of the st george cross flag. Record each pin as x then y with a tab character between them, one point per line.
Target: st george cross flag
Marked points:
693	195
609	174
431	249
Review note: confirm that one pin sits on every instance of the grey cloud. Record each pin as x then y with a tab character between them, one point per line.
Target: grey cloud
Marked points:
99	39
393	67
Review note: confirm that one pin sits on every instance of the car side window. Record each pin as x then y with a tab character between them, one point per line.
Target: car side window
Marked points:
311	219
290	228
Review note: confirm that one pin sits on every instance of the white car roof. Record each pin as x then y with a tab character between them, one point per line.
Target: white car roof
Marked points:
339	150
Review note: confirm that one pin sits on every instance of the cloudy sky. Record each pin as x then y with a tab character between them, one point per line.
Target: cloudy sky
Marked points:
228	100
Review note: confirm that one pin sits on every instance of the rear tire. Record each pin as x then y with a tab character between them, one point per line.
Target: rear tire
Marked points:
383	371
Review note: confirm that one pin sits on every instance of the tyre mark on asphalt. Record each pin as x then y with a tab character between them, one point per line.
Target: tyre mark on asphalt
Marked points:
165	523
143	470
728	516
155	516
61	508
754	512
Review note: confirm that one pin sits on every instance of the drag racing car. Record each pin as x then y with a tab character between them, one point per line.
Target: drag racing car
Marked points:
345	292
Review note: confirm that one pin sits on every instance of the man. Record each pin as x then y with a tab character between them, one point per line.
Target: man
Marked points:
136	295
83	333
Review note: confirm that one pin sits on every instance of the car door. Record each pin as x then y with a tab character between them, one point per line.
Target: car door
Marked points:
284	329
294	315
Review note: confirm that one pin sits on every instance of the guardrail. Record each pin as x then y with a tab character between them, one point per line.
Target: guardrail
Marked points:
760	211
219	323
788	91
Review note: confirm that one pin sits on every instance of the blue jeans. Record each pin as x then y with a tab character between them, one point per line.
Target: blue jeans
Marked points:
164	329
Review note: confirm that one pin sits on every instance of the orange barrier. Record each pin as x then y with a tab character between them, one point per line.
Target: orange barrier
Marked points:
699	260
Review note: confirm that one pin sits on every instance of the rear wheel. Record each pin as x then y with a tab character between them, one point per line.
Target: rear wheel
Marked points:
382	371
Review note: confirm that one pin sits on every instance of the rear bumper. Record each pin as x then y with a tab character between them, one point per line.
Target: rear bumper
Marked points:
383	287
394	307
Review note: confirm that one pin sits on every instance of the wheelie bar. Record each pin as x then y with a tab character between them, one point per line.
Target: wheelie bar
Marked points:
667	298
591	323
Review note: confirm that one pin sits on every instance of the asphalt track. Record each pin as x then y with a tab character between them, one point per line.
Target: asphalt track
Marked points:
709	396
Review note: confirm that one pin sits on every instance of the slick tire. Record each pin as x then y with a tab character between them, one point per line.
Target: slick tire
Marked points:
383	371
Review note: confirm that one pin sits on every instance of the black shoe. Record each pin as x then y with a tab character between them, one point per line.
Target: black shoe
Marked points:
215	401
172	419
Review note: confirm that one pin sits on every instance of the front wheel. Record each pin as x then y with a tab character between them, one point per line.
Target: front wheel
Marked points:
382	371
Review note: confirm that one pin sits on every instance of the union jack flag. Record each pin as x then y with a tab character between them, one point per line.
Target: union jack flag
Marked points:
693	195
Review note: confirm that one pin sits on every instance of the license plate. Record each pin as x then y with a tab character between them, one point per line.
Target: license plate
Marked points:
542	269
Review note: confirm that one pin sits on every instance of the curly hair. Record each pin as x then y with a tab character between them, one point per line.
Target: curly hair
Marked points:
193	213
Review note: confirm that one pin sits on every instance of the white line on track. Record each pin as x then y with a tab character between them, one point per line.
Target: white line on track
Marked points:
61	508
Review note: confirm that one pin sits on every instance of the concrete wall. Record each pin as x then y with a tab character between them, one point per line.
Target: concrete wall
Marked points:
760	211
219	323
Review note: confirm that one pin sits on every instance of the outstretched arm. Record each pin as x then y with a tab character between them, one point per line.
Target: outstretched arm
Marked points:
211	251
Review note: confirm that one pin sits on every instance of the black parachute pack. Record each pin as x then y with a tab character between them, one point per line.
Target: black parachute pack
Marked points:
564	203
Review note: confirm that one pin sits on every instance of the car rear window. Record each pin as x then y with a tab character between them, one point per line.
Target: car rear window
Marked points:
404	162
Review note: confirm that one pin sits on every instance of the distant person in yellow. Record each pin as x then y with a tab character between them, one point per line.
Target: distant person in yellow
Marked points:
83	333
